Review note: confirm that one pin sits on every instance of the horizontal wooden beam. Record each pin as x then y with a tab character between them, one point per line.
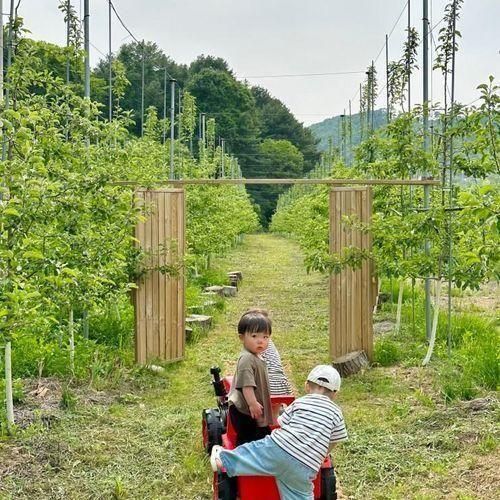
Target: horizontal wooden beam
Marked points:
330	182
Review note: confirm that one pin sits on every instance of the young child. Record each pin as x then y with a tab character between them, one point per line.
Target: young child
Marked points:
249	400
278	381
310	427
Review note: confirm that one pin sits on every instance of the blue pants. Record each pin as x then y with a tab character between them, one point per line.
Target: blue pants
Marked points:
266	458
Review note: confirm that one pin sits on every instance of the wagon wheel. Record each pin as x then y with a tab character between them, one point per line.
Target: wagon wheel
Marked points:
224	487
328	484
211	428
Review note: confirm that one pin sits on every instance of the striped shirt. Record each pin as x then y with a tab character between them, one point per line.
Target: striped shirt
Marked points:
278	382
308	426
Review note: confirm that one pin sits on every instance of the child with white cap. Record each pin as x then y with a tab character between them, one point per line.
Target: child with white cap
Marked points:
293	453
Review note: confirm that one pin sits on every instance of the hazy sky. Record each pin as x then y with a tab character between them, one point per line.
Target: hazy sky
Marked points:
283	37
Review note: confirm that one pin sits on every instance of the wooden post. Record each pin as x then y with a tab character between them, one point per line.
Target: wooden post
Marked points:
159	297
352	291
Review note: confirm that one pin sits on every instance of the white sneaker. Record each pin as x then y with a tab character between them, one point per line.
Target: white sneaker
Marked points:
214	456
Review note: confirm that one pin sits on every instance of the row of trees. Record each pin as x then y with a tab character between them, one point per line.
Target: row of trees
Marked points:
461	222
66	245
246	116
400	225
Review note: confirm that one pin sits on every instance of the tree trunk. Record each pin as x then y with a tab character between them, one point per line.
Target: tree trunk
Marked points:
351	363
8	385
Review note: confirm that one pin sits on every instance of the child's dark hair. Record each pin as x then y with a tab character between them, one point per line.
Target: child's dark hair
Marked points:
255	321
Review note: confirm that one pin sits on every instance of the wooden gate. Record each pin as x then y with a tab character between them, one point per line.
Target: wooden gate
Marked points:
352	292
159	298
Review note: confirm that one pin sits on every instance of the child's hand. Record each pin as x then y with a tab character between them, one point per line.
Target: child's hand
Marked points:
256	410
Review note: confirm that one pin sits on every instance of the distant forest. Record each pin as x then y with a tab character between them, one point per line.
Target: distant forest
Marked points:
257	127
331	129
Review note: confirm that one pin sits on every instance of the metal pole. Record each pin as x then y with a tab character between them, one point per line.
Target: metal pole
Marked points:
450	192
425	69
110	75
142	90
343	143
204	129
360	113
372	95
339	136
222	157
172	126
9	59
179	114
350	133
68	33
1	51
86	44
388	112
165	105
408	69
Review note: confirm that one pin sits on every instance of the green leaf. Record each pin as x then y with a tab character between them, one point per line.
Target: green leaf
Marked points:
11	211
33	254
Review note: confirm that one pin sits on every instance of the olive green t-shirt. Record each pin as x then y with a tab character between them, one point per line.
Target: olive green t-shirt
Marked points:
251	371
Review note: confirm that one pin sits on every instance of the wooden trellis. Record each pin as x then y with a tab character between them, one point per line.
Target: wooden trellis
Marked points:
352	292
159	298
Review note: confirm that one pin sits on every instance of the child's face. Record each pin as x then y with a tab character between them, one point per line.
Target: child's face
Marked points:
255	342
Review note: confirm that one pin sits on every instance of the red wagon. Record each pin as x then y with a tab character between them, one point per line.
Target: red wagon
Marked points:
218	429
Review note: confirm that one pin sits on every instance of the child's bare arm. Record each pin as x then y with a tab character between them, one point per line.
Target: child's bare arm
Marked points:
254	406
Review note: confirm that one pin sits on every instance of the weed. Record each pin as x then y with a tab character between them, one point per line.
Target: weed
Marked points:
386	352
68	399
119	491
488	444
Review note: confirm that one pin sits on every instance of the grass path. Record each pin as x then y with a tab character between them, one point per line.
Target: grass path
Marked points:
404	442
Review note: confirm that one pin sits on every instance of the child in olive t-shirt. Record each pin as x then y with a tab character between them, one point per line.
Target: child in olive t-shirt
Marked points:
249	400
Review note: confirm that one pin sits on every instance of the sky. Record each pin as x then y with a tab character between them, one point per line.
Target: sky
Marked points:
264	38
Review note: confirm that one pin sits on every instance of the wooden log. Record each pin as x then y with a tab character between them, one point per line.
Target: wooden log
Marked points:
200	320
216	289
238	274
351	363
233	280
189	333
230	291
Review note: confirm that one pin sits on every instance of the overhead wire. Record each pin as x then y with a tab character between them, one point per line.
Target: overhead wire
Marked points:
388	37
303	74
125	27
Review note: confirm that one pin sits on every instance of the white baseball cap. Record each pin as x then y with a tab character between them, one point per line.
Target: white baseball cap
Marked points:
325	376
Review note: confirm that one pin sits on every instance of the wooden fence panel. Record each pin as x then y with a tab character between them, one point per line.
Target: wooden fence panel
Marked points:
159	297
352	292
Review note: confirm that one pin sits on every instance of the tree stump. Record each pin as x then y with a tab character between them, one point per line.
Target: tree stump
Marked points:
351	363
216	289
238	274
200	320
230	291
233	280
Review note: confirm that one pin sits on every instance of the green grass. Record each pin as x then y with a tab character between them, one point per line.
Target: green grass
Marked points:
144	441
